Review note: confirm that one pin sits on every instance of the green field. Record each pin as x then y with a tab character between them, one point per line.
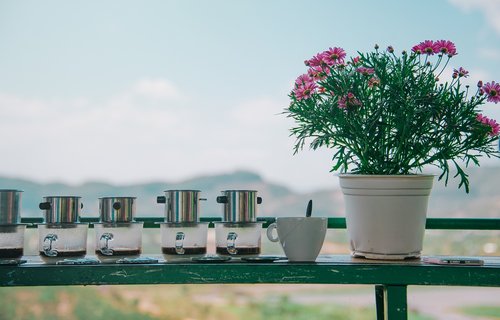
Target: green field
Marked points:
163	302
490	312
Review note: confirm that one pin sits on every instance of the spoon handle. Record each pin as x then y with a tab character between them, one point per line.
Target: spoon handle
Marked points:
309	208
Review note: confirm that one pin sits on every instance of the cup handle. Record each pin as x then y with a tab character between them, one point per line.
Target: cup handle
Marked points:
104	241
231	242
269	232
47	245
179	243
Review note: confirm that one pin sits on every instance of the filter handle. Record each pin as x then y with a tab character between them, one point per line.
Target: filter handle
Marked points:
104	243
221	199
231	243
161	199
179	243
47	245
44	206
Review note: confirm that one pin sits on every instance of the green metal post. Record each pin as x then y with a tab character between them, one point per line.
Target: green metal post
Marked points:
379	301
396	305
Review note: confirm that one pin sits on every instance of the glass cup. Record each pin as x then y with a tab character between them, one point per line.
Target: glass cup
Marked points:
12	241
118	240
238	238
183	240
60	241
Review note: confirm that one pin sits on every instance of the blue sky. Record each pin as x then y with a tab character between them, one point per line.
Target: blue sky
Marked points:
134	91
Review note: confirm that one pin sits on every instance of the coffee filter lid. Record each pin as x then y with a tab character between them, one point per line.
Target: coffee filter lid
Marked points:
61	209
10	206
117	209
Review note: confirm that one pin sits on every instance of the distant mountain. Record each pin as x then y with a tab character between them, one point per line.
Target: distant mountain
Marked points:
483	200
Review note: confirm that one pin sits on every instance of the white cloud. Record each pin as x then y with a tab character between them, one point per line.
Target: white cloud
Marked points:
79	139
489	53
157	89
23	107
477	75
258	111
130	137
490	9
260	140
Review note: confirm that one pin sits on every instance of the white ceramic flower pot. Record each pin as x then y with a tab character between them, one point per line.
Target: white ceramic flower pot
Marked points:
386	214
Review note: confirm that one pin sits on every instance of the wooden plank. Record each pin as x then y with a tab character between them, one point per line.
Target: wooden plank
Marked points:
330	269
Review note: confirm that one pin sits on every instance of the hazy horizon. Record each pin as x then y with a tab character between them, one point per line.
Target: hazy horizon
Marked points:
334	185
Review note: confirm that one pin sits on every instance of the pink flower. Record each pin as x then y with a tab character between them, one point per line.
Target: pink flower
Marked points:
492	89
303	79
495	127
352	100
365	71
304	87
373	82
318	73
305	90
316	61
426	47
342	102
445	47
416	49
348	101
355	60
461	72
334	56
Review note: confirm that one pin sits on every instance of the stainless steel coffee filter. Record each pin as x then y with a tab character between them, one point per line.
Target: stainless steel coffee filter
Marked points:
240	205
10	206
181	205
117	209
61	209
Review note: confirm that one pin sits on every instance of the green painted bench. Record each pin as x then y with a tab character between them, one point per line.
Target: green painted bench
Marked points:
390	279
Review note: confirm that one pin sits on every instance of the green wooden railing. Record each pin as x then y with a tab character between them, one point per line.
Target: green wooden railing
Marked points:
390	278
333	223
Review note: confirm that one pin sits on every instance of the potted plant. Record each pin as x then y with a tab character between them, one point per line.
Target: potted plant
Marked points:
388	117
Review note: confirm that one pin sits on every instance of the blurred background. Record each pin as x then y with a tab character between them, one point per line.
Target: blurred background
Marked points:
135	97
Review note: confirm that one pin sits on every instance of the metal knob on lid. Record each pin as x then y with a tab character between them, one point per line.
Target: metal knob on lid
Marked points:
10	206
117	209
61	209
181	205
240	205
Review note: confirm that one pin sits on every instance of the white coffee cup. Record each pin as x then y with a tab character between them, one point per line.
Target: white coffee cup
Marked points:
301	237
